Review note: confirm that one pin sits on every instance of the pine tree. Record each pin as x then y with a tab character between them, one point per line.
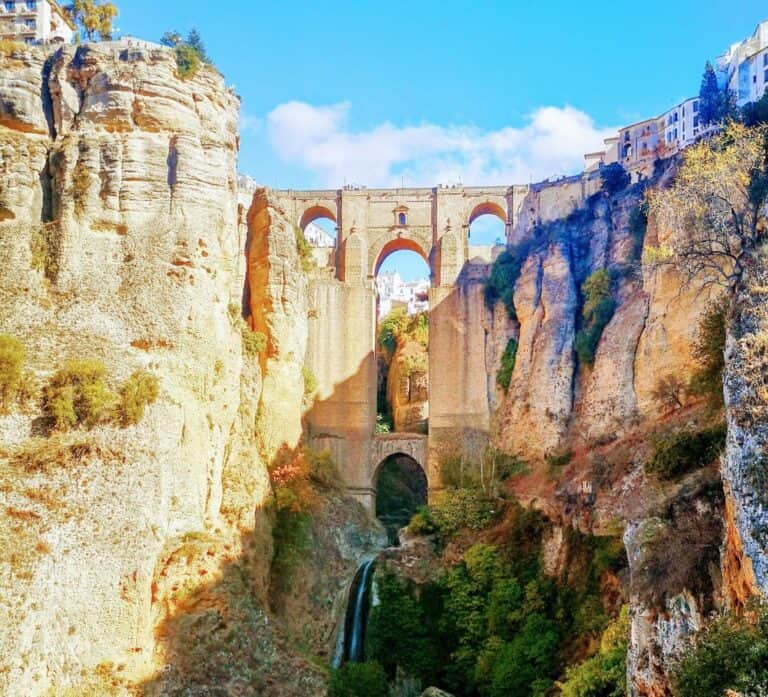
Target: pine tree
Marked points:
712	101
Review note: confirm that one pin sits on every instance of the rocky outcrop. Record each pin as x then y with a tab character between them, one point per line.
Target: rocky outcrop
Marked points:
744	466
119	183
408	388
536	412
136	554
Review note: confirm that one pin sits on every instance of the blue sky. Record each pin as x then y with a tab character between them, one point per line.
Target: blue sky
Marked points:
378	93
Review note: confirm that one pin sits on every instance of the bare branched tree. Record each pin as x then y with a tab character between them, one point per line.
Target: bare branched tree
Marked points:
715	211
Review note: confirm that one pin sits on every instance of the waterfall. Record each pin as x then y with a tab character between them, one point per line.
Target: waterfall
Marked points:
350	644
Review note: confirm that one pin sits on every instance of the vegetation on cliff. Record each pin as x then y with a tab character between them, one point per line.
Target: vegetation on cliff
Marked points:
596	312
731	653
496	623
190	52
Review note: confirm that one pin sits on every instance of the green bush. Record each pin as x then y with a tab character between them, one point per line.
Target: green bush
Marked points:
504	376
677	454
614	178
421	522
254	343
598	310
500	286
12	356
306	257
291	537
397	634
81	184
78	394
709	352
310	382
140	390
730	654
190	52
605	674
322	468
463	508
358	680
398	326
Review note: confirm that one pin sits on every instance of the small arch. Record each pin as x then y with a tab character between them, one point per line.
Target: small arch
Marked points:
314	213
401	219
488	208
401	488
396	245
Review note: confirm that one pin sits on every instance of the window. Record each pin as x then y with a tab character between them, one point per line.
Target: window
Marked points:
9	6
765	59
695	121
696	107
401	218
31	4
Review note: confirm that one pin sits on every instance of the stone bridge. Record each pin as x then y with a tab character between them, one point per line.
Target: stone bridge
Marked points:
371	224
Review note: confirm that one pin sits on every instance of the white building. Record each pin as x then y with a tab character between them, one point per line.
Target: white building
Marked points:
393	292
317	237
35	22
744	66
680	125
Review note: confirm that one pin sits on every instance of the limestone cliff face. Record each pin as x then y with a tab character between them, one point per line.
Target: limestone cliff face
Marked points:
540	396
603	413
553	402
744	464
408	388
122	240
118	183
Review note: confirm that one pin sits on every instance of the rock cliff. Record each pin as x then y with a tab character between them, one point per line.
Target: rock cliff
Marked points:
122	240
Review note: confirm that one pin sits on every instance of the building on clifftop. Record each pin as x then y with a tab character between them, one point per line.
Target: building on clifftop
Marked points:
35	22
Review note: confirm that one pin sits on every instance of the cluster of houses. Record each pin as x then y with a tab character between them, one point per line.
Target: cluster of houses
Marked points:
742	70
393	292
35	22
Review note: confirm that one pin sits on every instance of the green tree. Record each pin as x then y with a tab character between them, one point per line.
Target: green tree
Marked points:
605	674
94	17
397	635
358	680
731	653
709	352
614	178
190	55
714	101
755	113
715	209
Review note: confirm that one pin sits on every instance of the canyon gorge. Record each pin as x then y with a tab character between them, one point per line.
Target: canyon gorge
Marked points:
209	547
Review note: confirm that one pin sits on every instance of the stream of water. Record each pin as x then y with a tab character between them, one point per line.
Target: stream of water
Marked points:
350	645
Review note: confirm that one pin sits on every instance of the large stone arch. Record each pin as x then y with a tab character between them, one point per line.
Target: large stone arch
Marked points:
315	212
400	488
385	247
497	208
413	445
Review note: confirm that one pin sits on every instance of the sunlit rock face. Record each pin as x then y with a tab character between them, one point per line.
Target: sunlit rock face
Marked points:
119	243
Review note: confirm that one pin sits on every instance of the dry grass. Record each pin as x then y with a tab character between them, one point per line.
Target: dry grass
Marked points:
9	47
60	450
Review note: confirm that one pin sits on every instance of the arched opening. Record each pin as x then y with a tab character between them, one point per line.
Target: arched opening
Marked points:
402	340
318	224
487	225
401	487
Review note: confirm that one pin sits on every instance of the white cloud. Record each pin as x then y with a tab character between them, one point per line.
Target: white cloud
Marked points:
250	124
319	139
